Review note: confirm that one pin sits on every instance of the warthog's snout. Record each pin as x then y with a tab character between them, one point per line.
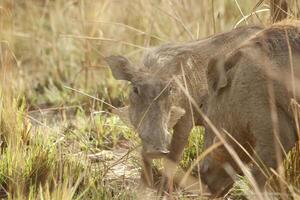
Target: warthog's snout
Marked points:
151	151
155	145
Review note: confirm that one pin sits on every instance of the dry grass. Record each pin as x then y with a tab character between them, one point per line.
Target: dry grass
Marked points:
57	143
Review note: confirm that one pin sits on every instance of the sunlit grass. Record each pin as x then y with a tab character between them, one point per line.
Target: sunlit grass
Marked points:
51	136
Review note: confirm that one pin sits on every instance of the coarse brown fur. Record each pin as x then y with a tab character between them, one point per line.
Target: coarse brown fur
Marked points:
157	103
250	92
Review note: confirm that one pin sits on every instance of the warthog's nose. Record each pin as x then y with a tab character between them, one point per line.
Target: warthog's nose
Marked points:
164	151
155	152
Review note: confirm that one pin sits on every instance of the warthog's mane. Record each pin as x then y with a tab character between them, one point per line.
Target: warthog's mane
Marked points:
277	39
169	55
166	55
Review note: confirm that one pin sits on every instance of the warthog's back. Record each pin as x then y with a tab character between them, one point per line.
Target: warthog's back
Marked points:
250	91
277	50
195	56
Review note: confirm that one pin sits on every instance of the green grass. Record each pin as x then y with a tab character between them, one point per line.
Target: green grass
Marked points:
51	136
193	148
37	162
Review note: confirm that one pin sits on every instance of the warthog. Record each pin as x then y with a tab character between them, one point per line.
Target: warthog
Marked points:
157	104
250	91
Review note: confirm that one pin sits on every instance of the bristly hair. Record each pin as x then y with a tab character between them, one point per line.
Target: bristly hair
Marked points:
273	40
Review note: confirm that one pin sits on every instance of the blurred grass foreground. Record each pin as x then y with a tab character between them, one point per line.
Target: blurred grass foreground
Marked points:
58	140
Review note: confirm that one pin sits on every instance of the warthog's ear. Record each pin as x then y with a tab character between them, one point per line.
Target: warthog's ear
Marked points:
176	114
120	67
217	69
123	113
216	74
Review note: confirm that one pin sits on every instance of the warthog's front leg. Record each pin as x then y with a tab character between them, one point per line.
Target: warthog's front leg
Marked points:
147	174
179	140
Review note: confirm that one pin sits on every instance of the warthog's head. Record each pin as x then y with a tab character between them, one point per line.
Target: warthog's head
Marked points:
218	169
215	171
153	98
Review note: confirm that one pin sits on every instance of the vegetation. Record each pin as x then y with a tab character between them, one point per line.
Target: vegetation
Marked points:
58	136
